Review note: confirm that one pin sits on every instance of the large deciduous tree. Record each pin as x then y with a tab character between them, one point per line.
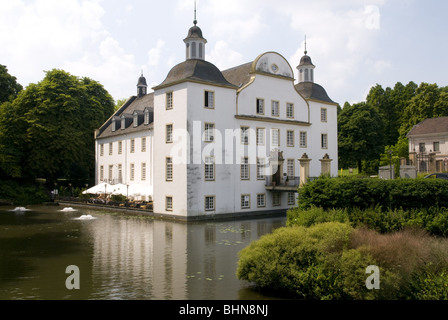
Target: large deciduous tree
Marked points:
48	130
9	87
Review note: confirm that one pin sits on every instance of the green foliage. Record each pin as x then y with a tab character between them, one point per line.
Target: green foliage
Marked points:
9	87
23	193
47	131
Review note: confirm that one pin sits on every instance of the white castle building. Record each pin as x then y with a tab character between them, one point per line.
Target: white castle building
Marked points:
212	143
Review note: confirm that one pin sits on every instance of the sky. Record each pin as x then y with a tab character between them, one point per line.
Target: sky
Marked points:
354	44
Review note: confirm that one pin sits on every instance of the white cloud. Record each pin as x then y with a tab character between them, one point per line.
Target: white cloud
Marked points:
224	57
155	53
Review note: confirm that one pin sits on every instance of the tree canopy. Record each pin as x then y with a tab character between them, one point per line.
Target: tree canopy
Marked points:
9	87
48	130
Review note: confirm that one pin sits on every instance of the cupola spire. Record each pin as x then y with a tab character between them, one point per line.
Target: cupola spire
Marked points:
306	67
195	42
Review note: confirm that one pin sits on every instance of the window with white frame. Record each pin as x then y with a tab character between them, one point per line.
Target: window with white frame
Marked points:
245	168
290	110
260	169
276	199
209	99
132	172
146	116
323	114
209	132
169	203
209	203
169	100
132	145
101	173
169	169
101	149
111	169
324	139
303	139
261	200
209	168
120	147
290	168
290	138
245	201
169	133
275	109
111	148
143	171
113	125
275	141
143	144
291	198
245	135
260	136
120	173
260	106
135	120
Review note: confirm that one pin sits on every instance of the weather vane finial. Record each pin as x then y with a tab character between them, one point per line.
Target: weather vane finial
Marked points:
195	21
305	46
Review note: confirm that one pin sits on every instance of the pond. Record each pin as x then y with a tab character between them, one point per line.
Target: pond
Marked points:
119	256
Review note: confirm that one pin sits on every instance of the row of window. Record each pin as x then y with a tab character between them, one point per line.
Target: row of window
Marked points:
124	120
435	147
209	136
209	168
209	102
120	147
120	172
245	202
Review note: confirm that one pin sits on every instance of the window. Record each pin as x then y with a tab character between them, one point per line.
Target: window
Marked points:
291	198
436	146
111	168
260	169
260	136
245	169
146	117
245	135
245	201
290	110
260	106
201	50
209	99
290	138
135	121
143	171
303	143
169	169
421	147
101	173
193	50
111	148
101	149
143	144
169	203
274	109
132	145
209	203
169	100
209	133
123	123
324	139
113	126
261	200
276	199
323	115
120	147
275	137
290	168
120	173
132	172
209	168
169	133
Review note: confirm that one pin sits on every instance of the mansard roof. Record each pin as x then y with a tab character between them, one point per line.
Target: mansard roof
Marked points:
133	105
195	70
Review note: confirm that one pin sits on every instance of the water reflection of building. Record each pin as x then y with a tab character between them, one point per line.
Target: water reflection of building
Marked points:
152	259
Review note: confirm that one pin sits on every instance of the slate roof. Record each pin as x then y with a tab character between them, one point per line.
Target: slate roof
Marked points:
195	70
133	104
239	76
430	126
311	90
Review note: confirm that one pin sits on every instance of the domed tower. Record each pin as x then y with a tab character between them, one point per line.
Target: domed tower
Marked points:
195	42
306	68
142	86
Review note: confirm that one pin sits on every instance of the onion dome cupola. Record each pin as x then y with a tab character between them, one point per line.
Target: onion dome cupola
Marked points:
142	86
195	42
306	68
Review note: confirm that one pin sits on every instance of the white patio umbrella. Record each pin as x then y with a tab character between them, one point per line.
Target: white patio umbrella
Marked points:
119	189
140	190
99	189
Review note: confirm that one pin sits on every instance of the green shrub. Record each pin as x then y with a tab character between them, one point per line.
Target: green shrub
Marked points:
23	192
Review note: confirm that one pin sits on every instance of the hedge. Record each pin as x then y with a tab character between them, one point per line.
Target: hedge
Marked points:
364	193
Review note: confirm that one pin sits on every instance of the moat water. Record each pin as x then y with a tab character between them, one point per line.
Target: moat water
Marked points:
122	256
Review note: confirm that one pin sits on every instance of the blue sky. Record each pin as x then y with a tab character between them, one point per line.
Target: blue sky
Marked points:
354	44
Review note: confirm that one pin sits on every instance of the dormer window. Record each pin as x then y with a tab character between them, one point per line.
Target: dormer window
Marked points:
146	117
123	123
135	120
114	125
